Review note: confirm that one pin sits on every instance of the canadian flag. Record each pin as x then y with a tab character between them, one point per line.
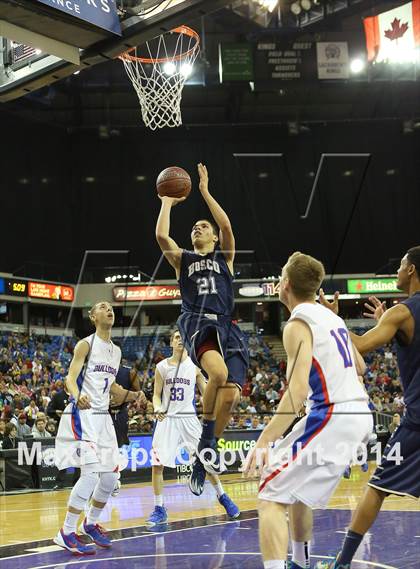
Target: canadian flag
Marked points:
394	35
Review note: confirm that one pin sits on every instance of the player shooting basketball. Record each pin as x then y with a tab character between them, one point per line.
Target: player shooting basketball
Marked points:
214	343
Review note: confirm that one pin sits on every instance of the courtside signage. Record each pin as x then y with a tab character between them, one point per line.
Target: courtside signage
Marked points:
149	293
50	291
372	286
100	13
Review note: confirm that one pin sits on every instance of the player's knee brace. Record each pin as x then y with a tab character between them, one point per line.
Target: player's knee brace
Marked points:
83	490
105	486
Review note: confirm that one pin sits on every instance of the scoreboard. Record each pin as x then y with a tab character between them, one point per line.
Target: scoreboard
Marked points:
16	288
32	289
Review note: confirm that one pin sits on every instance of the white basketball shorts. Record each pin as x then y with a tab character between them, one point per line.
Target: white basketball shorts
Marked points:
86	438
307	465
172	435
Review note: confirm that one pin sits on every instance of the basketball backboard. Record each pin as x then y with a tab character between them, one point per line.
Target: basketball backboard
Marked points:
59	43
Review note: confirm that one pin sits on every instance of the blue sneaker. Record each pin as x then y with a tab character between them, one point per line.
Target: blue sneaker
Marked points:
72	543
96	534
158	516
197	478
293	565
210	456
347	472
365	467
231	508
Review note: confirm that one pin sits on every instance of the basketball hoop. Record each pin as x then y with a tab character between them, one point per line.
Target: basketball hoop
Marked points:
158	71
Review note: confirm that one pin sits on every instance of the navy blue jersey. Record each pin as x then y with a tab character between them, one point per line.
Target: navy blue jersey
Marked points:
409	364
206	283
123	379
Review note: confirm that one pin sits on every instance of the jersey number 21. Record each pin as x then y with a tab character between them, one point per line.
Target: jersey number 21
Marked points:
206	285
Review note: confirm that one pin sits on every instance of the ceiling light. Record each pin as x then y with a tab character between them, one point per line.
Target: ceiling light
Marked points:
169	68
186	69
296	8
357	65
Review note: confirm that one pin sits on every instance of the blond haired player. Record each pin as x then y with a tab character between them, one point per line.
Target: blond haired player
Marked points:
303	469
86	435
178	426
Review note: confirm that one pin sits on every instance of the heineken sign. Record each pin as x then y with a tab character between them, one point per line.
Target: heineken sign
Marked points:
372	286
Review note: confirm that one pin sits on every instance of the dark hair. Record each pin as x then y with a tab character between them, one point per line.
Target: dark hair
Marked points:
213	224
38	419
413	256
9	428
173	334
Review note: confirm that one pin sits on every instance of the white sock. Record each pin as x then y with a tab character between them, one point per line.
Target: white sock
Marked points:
159	500
301	553
70	523
93	515
219	489
275	564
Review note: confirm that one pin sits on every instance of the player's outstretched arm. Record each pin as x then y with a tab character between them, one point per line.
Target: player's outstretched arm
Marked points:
120	395
390	322
297	340
80	353
226	237
169	248
157	396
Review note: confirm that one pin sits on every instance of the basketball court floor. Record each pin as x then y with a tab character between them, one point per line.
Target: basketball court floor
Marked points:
198	535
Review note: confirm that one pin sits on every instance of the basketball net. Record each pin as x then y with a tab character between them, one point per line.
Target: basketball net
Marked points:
159	78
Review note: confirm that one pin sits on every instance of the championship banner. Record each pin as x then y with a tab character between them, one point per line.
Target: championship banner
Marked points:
146	293
50	291
333	60
100	13
394	35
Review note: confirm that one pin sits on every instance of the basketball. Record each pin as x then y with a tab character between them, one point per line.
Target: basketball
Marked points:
173	182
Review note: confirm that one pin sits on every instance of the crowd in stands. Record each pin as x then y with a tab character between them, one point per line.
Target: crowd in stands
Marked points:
33	369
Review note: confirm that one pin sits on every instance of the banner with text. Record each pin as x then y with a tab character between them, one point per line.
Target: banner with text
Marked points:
146	293
100	13
51	291
372	286
333	60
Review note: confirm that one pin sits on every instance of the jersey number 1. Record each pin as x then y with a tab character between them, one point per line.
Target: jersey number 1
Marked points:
341	337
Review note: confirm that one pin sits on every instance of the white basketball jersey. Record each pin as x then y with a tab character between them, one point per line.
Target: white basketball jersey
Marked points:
333	377
178	394
99	372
